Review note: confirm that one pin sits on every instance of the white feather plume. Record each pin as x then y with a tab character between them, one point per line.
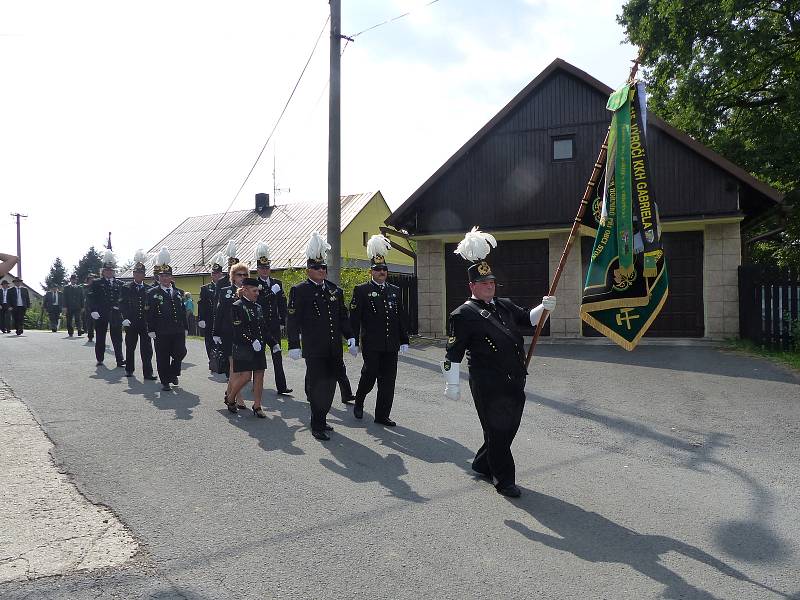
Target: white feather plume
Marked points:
317	246
378	245
139	256
476	245
230	250
219	259
262	250
163	256
108	257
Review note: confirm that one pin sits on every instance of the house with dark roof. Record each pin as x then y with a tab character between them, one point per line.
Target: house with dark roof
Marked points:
285	228
521	178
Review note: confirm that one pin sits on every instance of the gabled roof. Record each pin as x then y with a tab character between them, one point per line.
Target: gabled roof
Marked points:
285	228
558	64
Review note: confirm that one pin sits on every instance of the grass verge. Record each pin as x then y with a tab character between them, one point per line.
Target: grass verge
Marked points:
790	359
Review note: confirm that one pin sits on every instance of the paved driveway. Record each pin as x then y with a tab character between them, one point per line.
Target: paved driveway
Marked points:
669	472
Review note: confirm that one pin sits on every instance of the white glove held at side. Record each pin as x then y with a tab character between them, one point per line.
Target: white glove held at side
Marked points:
217	339
276	348
95	315
126	322
275	288
451	383
294	353
201	324
256	345
403	348
152	335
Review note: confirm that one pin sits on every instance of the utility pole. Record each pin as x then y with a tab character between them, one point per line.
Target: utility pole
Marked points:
334	147
19	244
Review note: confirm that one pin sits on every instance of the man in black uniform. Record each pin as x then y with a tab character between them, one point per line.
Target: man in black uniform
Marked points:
20	301
206	306
88	321
380	331
224	282
73	301
5	307
318	313
487	330
134	320
53	300
166	322
105	298
273	304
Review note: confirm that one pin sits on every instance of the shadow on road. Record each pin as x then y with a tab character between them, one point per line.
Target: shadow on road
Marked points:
109	375
178	400
274	432
594	538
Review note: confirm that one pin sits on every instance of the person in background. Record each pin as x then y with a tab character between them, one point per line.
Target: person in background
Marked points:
188	302
5	308
73	302
88	321
206	306
20	301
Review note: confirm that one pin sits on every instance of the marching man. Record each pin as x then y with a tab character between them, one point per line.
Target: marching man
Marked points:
105	298
380	331
134	320
486	329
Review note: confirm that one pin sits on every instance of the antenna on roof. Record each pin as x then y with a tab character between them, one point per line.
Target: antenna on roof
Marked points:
275	189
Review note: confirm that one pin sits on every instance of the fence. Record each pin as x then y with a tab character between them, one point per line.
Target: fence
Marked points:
408	298
769	306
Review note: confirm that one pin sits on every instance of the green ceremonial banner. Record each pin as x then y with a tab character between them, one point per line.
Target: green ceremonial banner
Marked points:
626	284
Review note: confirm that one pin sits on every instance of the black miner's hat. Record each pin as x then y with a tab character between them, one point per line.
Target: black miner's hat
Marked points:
475	247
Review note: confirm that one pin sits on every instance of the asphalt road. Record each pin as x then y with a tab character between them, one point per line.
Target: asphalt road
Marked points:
669	472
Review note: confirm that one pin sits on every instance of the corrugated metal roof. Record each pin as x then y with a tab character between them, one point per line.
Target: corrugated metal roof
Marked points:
285	228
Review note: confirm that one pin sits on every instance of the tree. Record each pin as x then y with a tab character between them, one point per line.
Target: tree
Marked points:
91	262
57	276
728	73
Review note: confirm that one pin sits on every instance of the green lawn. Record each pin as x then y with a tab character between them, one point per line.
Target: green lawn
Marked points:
791	359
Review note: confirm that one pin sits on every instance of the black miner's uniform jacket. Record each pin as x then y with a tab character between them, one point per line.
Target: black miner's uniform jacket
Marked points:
166	313
105	298
273	305
73	297
489	336
223	327
249	325
223	283
134	304
206	306
319	314
376	318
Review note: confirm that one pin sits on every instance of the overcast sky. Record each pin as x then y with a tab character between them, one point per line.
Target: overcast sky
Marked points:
129	117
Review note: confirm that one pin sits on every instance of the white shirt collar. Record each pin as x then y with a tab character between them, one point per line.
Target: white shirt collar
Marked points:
474	298
166	289
380	285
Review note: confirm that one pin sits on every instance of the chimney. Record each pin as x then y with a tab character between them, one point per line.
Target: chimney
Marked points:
262	202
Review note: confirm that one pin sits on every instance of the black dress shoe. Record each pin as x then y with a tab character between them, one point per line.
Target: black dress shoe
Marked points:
320	435
286	392
388	422
165	387
121	365
510	490
485	474
358	411
327	427
128	374
150	377
174	381
348	399
99	362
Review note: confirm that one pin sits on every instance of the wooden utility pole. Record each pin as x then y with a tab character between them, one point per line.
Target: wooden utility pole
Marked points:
19	244
334	147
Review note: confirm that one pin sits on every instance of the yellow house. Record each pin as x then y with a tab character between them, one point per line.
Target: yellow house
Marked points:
285	228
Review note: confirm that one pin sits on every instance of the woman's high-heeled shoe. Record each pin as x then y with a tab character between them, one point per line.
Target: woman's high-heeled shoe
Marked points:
231	406
259	412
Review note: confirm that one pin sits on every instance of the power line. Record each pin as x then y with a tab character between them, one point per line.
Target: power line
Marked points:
264	147
392	20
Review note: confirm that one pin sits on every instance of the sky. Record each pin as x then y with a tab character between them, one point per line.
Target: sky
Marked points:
130	117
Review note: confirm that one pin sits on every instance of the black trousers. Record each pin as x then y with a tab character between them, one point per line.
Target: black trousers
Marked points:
170	351
321	376
380	367
277	365
209	341
5	318
101	327
344	384
19	318
134	336
74	315
499	401
54	318
88	321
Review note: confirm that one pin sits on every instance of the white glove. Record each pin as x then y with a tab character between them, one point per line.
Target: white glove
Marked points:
275	288
276	348
403	348
152	335
256	345
201	324
217	339
549	303
95	315
451	382
352	348
294	353
126	323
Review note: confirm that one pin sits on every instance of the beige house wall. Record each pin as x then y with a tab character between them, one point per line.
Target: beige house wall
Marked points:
431	288
722	255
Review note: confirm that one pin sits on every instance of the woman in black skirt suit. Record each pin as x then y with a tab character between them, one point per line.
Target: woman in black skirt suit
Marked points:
250	340
223	325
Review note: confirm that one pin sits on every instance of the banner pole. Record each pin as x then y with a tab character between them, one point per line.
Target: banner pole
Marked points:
587	194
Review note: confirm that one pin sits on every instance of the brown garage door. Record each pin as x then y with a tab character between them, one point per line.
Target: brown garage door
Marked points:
682	314
521	268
